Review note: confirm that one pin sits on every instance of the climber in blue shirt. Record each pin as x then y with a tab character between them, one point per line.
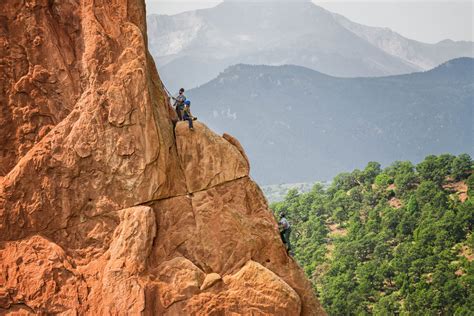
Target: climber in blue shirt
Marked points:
187	116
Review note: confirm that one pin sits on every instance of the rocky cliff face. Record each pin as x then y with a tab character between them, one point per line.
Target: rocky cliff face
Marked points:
104	208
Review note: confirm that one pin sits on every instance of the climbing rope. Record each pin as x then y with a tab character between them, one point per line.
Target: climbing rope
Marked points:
167	91
170	96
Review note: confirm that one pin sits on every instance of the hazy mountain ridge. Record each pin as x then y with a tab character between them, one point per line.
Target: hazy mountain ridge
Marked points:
422	55
193	47
295	120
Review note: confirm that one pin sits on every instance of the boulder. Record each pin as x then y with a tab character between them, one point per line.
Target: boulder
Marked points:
252	290
210	280
178	279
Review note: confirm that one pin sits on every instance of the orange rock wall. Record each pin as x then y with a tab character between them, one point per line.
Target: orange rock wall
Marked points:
104	207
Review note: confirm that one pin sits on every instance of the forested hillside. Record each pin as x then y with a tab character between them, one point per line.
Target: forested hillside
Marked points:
391	241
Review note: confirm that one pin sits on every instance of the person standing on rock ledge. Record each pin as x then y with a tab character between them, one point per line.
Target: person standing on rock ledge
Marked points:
179	103
187	116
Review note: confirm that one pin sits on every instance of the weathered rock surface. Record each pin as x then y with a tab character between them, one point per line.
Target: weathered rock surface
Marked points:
208	159
104	208
252	290
37	273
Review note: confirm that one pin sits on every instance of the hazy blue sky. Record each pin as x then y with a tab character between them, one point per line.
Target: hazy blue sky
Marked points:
427	21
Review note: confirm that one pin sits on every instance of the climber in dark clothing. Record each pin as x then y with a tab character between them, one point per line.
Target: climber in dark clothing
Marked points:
285	230
179	103
187	116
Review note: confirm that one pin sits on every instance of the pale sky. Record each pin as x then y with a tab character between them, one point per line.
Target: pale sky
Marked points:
422	20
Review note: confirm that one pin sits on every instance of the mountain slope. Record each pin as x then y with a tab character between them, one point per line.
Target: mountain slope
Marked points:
263	33
297	124
423	55
191	48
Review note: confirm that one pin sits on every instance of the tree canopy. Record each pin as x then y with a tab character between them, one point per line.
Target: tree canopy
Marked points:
389	241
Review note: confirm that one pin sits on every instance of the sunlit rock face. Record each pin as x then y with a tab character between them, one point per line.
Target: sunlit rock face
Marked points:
105	207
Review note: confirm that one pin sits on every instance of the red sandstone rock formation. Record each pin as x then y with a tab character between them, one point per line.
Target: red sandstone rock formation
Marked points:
104	209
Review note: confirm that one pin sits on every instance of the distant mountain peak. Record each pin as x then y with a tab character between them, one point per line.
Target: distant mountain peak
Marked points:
458	61
447	41
459	67
204	42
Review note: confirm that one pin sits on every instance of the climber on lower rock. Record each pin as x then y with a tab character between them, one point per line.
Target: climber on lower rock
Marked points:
187	116
285	230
